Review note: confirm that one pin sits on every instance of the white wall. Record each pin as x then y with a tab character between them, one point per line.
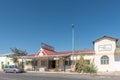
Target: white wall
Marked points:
5	61
117	62
103	47
86	57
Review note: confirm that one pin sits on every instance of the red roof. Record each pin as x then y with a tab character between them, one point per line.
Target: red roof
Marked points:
46	52
31	55
37	54
85	51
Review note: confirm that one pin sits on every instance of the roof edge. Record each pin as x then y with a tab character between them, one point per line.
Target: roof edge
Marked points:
116	39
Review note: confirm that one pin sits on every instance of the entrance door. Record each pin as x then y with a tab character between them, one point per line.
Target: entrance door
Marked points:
52	64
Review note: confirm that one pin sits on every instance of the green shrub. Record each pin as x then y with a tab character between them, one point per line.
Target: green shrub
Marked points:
90	69
93	68
78	67
2	66
82	66
28	62
57	66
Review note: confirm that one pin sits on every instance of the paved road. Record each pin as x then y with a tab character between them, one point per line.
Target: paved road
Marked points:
53	76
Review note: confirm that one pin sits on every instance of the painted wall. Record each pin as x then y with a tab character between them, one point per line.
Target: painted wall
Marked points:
5	61
103	47
86	57
117	62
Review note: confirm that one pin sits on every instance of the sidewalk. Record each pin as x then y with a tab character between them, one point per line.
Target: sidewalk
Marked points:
117	73
53	72
62	72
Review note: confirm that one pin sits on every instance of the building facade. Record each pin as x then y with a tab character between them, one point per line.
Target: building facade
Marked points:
105	56
4	60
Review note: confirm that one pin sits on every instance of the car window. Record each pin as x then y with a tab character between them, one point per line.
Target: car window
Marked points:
11	67
6	66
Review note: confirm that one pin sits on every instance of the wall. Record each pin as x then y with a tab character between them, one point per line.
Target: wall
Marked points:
117	62
5	61
86	57
106	47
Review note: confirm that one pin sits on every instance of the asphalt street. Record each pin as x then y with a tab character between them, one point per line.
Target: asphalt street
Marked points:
53	76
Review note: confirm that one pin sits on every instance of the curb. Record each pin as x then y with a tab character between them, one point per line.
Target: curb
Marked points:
92	74
61	73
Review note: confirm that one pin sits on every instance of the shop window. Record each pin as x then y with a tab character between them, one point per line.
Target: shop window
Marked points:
43	63
104	60
68	62
34	63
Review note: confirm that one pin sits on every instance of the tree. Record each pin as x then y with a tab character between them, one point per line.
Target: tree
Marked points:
16	53
81	64
118	45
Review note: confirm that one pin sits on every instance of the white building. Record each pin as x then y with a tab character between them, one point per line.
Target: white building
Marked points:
105	56
4	60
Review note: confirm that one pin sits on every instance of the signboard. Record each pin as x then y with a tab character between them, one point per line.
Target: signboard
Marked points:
48	47
105	48
56	58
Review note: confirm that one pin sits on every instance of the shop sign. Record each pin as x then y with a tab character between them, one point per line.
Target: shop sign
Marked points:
46	46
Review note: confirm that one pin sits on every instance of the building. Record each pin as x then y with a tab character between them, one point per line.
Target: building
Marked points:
105	56
5	60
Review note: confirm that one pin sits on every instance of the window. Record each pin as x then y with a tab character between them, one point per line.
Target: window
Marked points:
104	60
43	63
68	62
6	66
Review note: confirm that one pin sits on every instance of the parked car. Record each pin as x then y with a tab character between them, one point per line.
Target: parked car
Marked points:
13	68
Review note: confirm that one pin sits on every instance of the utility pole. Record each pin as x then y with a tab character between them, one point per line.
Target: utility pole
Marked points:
72	39
72	66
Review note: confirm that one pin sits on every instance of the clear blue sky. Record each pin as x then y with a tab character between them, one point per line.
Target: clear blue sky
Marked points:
24	24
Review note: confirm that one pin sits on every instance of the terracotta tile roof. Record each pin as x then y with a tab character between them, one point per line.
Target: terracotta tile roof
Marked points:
46	52
31	55
37	54
66	52
85	51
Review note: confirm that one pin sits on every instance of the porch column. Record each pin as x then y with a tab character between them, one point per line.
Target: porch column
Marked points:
48	63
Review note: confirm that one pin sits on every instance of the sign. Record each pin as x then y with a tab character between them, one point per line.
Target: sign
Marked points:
48	47
105	48
56	58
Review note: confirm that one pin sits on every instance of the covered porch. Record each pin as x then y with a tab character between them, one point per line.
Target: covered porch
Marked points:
56	62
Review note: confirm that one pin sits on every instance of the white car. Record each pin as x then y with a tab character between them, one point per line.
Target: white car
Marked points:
12	68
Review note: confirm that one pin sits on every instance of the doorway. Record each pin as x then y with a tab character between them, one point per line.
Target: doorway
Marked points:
52	64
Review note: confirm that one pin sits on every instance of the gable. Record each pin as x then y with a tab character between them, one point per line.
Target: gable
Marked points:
105	45
40	53
105	37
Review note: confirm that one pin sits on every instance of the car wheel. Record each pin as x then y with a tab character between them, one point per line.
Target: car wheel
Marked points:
5	71
14	71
